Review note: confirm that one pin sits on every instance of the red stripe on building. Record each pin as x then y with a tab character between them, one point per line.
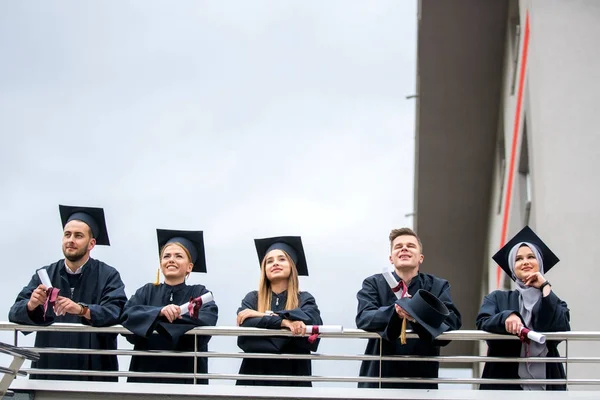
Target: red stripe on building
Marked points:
515	140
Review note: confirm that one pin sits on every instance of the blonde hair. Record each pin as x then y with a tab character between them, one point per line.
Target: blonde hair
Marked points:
264	287
162	252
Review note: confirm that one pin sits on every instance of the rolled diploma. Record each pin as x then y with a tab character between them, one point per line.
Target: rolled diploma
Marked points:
43	275
535	336
391	281
206	297
325	329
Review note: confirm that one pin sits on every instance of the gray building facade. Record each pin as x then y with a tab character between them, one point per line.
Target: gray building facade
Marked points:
508	93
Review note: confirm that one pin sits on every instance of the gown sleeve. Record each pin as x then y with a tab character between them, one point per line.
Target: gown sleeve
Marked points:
493	314
553	315
268	322
454	319
112	300
207	316
138	317
19	313
371	316
307	312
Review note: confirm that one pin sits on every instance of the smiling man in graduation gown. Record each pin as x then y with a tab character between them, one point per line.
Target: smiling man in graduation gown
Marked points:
90	293
379	310
156	307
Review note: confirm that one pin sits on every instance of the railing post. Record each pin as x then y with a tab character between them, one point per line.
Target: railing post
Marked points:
195	356
567	363
7	379
475	372
380	360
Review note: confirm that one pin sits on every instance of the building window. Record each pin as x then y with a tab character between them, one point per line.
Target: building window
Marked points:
527	211
501	157
525	177
514	32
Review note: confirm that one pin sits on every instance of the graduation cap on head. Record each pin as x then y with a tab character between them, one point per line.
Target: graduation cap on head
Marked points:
292	245
549	259
91	216
193	241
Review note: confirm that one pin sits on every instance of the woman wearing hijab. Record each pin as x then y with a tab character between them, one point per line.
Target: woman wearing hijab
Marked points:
156	307
278	304
533	305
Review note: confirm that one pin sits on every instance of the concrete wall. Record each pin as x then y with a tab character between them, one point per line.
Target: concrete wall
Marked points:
561	102
564	100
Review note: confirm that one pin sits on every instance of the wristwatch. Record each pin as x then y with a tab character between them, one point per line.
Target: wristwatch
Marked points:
543	285
84	309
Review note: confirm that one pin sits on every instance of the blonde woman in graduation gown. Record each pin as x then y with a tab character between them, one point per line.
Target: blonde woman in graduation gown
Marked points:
278	304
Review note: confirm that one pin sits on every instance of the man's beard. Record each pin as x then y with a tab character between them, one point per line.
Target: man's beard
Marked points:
74	257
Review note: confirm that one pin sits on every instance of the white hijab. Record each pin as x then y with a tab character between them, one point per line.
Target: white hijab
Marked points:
528	299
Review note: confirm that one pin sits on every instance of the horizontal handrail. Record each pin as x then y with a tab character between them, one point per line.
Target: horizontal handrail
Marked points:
9	371
312	378
314	356
348	333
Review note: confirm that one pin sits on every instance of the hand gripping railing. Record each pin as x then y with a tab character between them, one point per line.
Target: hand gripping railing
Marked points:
19	356
347	334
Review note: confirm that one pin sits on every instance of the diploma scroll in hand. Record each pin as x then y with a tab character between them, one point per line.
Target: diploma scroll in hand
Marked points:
400	290
315	330
392	283
531	335
51	292
193	306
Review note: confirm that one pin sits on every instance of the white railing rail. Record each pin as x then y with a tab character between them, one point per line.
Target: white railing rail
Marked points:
469	335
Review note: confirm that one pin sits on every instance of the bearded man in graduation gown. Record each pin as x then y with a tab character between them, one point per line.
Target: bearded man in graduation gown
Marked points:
378	312
90	293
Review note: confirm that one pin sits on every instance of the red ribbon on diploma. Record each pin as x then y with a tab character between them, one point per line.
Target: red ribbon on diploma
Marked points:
194	306
51	296
314	334
400	286
523	335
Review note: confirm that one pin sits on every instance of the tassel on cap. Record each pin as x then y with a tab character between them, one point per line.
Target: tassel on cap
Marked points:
403	332
157	281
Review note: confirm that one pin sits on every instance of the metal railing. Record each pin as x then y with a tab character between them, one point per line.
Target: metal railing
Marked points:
461	335
9	373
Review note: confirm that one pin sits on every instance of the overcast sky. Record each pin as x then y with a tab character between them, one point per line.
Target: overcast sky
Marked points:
243	119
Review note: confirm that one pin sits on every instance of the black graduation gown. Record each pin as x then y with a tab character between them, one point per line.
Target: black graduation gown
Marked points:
141	316
550	315
307	312
100	287
376	313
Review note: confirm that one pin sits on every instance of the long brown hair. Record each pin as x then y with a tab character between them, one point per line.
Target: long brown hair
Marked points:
264	287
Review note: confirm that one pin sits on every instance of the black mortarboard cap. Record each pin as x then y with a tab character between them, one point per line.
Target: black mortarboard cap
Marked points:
526	234
292	245
193	241
428	310
92	216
